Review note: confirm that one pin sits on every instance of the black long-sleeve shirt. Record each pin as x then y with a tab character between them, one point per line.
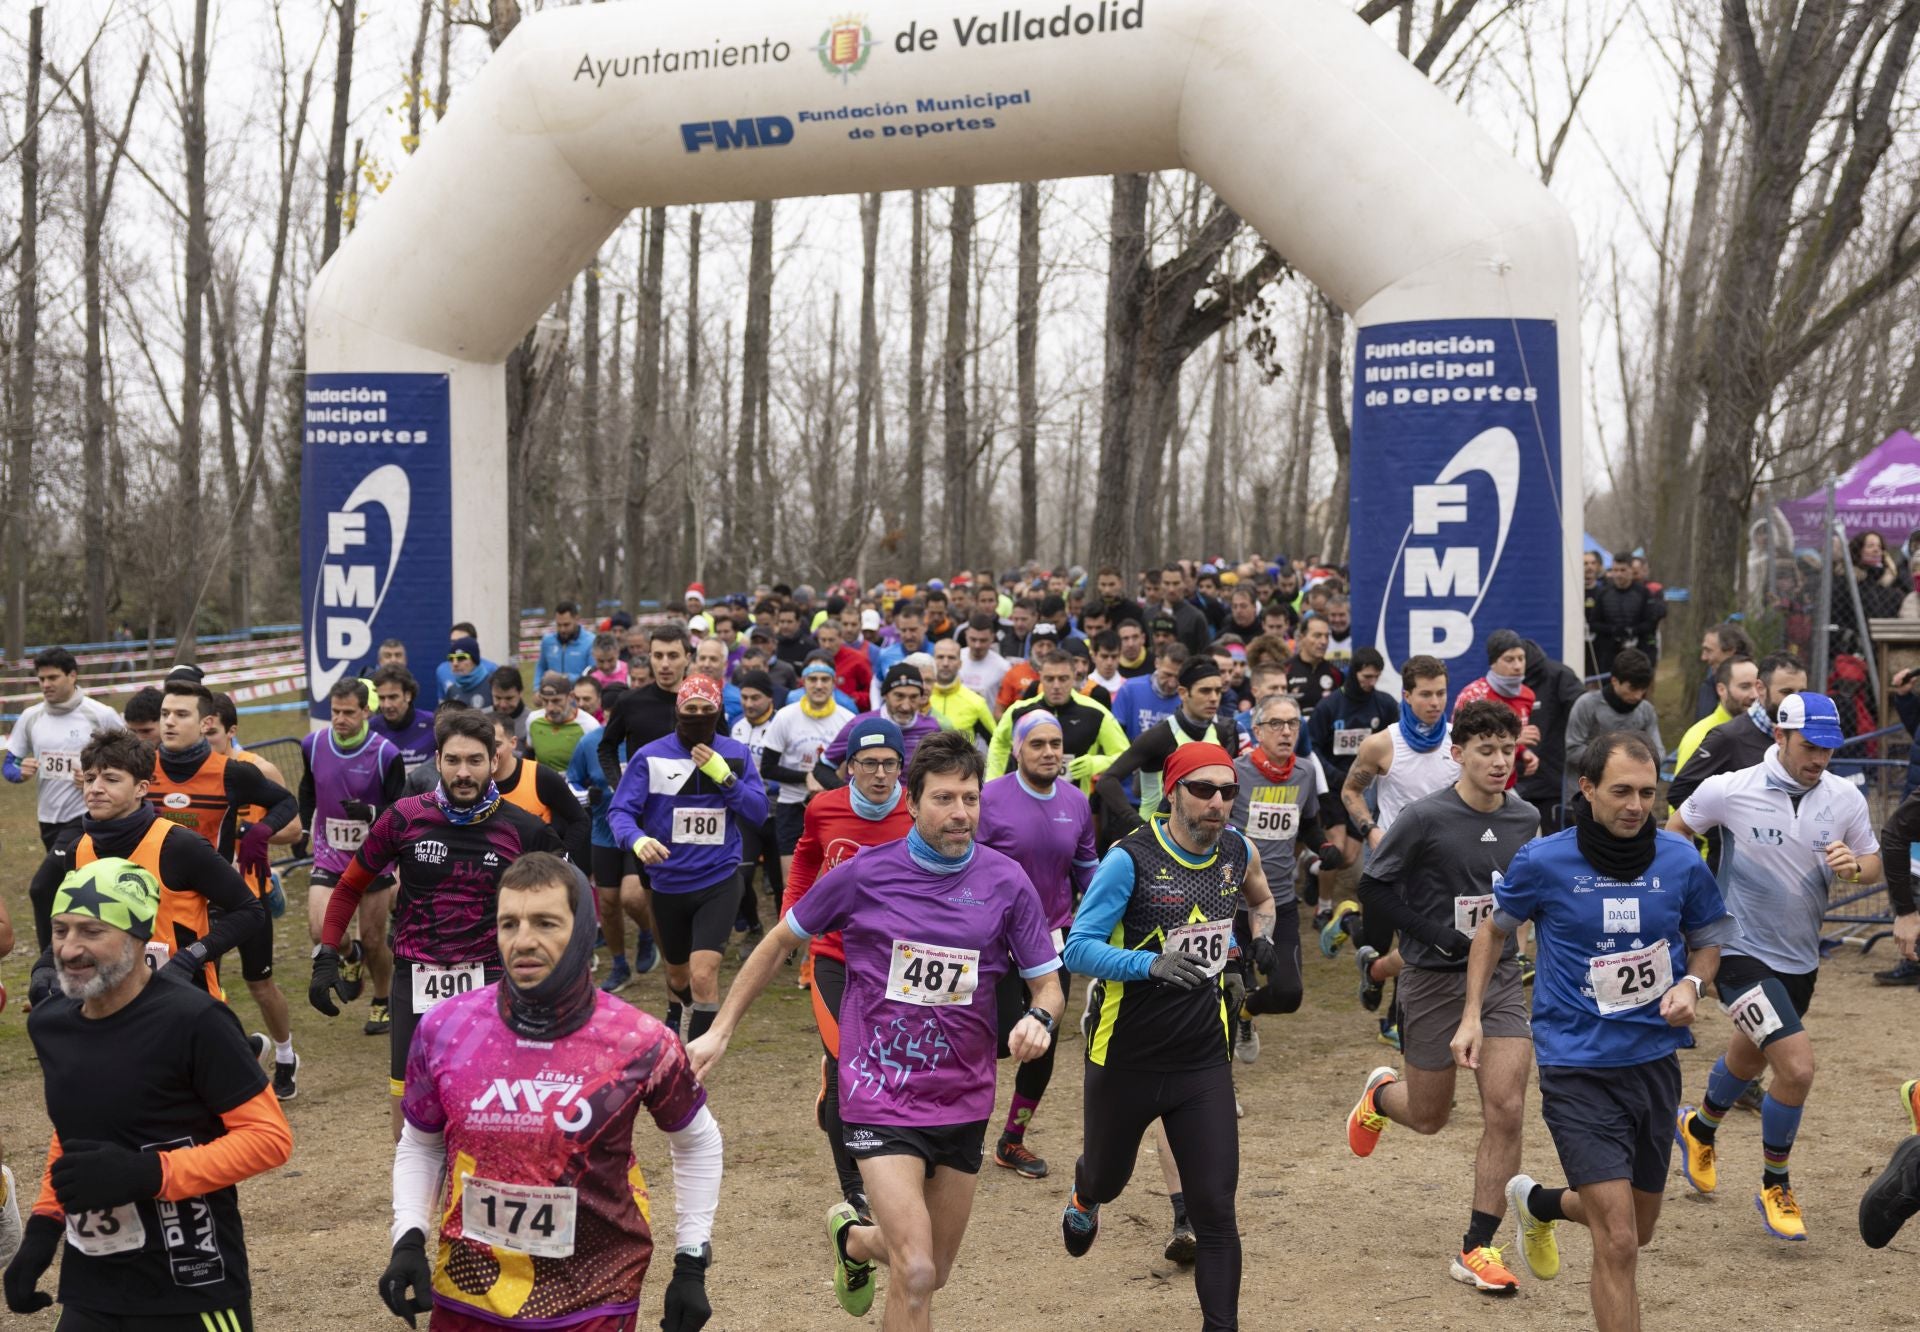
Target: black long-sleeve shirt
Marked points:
640	717
1896	853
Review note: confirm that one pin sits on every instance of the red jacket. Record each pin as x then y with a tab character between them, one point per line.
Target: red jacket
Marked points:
833	833
1521	704
853	672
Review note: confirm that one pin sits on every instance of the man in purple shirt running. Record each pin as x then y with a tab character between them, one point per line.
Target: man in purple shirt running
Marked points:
928	924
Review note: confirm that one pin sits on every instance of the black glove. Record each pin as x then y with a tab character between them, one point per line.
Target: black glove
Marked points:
1179	971
687	1309
184	967
37	1247
44	983
1266	956
1330	857
99	1176
358	810
303	849
408	1269
326	970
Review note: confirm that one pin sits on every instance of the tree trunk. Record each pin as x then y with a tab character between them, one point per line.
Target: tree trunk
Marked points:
417	78
646	405
220	313
189	578
1116	484
1026	321
956	476
26	339
443	91
748	528
592	436
609	493
1213	496
345	16
914	474
694	473
1339	428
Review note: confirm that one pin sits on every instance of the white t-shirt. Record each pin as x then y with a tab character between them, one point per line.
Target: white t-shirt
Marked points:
1773	864
983	677
799	740
56	739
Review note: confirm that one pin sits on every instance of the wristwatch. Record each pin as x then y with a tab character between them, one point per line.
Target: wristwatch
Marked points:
1365	829
1044	1018
702	1251
1699	985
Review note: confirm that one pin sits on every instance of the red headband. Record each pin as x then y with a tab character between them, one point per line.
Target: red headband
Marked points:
1190	758
699	686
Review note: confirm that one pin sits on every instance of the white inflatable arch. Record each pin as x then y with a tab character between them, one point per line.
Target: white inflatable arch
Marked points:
1458	266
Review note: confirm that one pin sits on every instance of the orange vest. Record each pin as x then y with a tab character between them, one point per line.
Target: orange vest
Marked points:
525	792
182	919
199	803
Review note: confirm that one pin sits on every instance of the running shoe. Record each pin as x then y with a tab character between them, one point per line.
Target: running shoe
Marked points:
379	1018
1780	1213
11	1232
672	1018
1246	1041
1334	932
1696	1157
1893	1197
1079	1226
1539	1250
1526	968
1371	990
1483	1269
741	924
1013	1154
1389	1033
852	1281
1910	1098
619	976
259	1044
353	974
1182	1245
284	1087
276	898
1902	972
645	956
1321	915
1364	1123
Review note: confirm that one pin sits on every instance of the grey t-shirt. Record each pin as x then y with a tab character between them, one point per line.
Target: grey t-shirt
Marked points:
1441	856
1268	813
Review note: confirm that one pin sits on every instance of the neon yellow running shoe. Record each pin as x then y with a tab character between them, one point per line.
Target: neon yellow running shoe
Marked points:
852	1281
1539	1248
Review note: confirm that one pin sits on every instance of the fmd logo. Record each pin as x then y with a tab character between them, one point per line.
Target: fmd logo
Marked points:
355	576
1451	549
749	132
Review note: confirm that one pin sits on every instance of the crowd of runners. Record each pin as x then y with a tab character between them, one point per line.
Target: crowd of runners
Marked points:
962	816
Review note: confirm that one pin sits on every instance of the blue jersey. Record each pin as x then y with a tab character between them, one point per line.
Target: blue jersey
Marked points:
663	795
1139	706
1607	950
584	773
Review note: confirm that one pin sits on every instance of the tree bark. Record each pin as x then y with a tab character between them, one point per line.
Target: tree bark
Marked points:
914	474
25	347
220	314
1026	321
592	437
189	578
956	475
694	474
748	529
646	405
417	78
345	13
609	495
1339	428
859	507
1213	494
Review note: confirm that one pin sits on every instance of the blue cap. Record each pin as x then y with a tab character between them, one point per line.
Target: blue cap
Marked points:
874	733
1814	716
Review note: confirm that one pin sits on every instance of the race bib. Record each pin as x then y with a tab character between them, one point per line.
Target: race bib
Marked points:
1347	741
930	975
524	1218
1271	821
699	827
346	834
1469	913
1059	938
432	984
1623	981
1205	941
62	764
98	1234
156	954
1754	1014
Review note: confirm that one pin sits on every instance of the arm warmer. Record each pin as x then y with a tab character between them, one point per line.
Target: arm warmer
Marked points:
1381	902
257	1140
698	1163
771	769
419	1169
192	860
309	798
1087	952
248	785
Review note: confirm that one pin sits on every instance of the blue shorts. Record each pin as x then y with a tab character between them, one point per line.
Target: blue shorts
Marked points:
1765	1004
1613	1123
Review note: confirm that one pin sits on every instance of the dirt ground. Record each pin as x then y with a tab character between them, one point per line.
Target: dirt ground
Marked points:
1331	1242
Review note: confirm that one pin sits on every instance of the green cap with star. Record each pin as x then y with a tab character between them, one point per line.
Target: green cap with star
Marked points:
116	891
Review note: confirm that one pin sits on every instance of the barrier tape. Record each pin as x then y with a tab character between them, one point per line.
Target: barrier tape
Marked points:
136	651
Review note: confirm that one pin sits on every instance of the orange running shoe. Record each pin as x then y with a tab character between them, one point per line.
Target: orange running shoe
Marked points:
1364	1123
1482	1269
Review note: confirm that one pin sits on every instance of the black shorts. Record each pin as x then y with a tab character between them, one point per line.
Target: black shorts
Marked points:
611	864
1014	997
789	821
234	1318
1613	1123
697	922
959	1147
319	878
400	1006
1782	998
49	832
256	950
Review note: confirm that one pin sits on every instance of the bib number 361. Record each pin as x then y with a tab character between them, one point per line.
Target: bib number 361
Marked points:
524	1218
929	975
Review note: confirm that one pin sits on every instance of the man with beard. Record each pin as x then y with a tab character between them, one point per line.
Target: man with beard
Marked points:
951	702
901	694
407	727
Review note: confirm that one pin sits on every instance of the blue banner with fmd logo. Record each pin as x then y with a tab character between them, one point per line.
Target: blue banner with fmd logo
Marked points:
376	525
1456	496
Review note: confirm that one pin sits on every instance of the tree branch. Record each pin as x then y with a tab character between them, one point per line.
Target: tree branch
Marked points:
1443	29
1746	59
1901	264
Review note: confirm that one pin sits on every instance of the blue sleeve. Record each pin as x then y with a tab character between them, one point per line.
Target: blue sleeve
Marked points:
730	698
623	813
1516	893
10	767
1126	710
583	769
548	659
1088	953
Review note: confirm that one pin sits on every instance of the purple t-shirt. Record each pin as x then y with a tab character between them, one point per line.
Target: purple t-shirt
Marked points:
1050	836
912	734
918	1025
337	778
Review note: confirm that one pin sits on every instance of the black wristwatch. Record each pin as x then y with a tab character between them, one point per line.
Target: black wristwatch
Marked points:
1044	1018
1365	829
702	1252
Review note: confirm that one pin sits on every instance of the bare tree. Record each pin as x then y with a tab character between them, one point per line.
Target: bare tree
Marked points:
592	436
1026	343
955	474
345	17
694	475
914	473
858	510
646	402
199	279
25	345
747	542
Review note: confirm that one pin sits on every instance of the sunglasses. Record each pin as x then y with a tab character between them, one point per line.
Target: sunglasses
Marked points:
459	656
1204	791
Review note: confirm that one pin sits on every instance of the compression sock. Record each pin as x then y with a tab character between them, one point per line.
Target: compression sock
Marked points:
1179	1201
1019	1115
1480	1229
1779	1125
1544	1203
703	1016
1723	1089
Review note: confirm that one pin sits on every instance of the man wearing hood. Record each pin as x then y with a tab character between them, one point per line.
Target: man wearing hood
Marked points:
1555	690
47	740
680	805
578	1251
465	674
1341	723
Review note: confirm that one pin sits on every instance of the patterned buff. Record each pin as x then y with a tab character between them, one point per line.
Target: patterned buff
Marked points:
464	814
699	686
115	891
1027	723
561	1004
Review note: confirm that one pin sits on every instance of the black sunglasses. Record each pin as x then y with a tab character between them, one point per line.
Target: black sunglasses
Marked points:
1203	791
